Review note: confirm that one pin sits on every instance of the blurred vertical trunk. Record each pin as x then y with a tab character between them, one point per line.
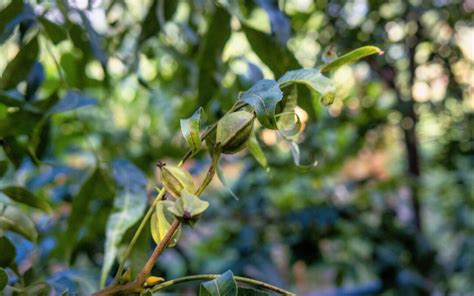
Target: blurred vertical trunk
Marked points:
411	141
409	118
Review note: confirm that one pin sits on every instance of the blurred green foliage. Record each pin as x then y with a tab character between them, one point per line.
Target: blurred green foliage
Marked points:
92	93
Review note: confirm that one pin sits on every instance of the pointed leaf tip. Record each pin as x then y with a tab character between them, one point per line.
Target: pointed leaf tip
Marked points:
351	57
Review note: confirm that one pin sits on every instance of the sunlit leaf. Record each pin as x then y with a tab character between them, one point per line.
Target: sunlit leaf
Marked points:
264	96
256	151
129	205
314	80
190	130
21	195
223	285
351	57
160	222
11	218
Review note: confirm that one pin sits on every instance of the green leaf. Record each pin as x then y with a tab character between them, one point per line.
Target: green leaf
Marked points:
9	13
287	126
7	252
96	188
351	57
14	14
3	279
38	288
221	177
21	195
12	99
18	69
256	151
189	207
71	101
190	130
224	285
11	218
251	292
160	222
94	40
314	80
55	32
19	122
264	96
129	206
295	152
151	25
210	55
277	57
3	167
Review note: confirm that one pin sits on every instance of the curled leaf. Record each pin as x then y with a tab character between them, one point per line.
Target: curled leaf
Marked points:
161	221
190	130
293	124
351	57
264	96
314	80
295	152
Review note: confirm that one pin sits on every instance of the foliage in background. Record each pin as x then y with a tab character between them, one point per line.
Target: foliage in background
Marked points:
91	94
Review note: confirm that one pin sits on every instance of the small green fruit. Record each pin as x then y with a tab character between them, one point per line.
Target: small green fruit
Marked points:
175	179
234	130
188	208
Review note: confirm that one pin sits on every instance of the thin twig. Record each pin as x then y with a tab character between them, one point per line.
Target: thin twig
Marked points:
137	285
214	276
137	234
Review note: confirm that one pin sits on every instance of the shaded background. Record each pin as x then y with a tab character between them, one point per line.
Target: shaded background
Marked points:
93	88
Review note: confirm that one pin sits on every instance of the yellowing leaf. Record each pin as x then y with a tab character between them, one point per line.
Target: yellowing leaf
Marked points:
161	221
